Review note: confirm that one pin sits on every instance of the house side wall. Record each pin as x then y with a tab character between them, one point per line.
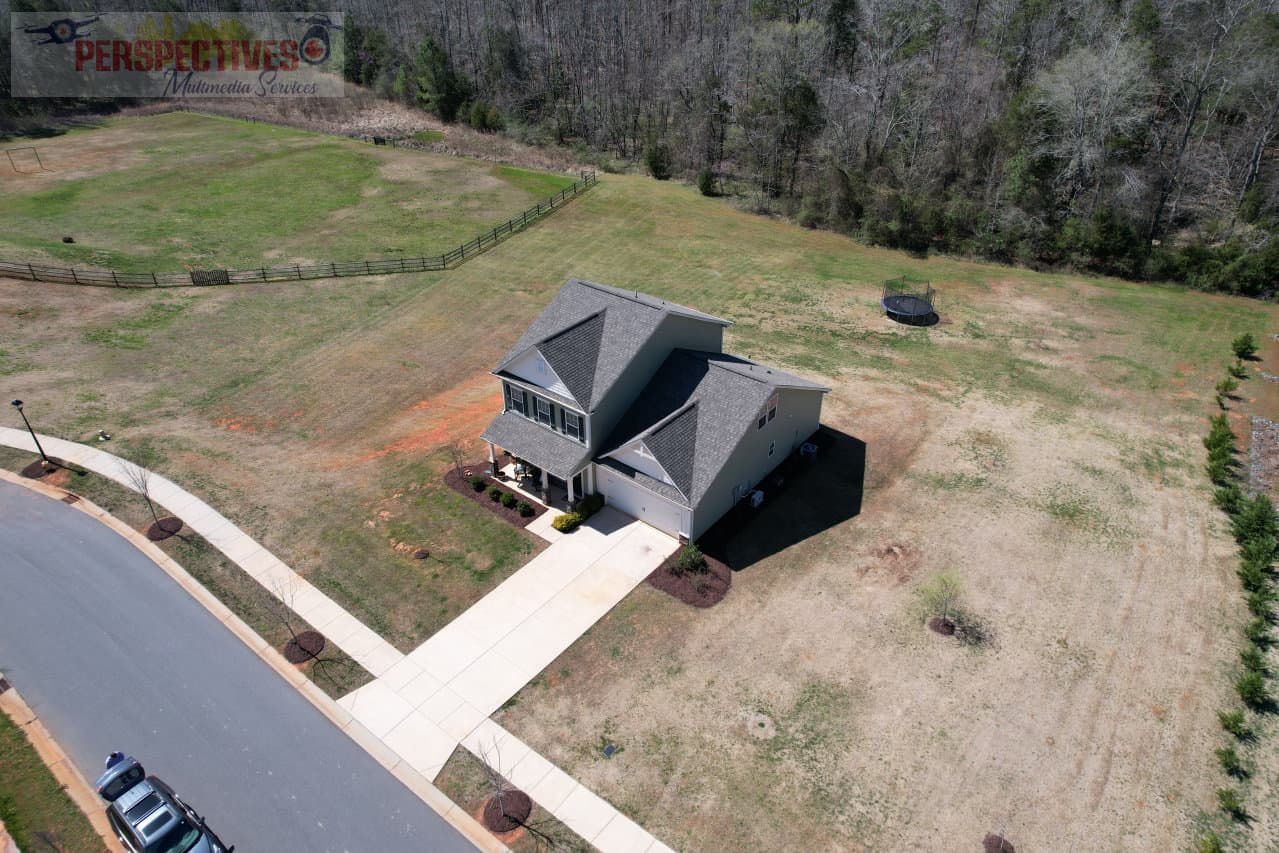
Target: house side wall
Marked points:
798	415
675	332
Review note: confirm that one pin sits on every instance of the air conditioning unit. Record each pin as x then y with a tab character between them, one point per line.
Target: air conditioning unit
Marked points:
757	498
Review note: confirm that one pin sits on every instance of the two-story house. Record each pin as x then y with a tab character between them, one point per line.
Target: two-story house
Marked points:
624	394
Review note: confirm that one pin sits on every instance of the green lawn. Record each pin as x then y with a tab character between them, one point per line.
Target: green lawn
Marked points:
35	810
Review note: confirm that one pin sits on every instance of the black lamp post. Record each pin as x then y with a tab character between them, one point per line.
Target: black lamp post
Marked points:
45	460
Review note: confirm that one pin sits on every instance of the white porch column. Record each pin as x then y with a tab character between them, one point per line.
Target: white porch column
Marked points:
492	460
570	489
546	487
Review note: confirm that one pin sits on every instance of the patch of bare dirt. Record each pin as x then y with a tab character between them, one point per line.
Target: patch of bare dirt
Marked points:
507	812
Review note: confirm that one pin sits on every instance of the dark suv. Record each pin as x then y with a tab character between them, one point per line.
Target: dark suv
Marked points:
148	817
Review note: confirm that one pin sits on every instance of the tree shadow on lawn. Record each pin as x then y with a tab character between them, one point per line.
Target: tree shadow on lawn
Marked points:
802	498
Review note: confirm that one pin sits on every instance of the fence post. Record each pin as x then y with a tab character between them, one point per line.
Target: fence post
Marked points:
115	278
403	268
155	282
263	275
333	269
32	270
298	269
74	277
367	269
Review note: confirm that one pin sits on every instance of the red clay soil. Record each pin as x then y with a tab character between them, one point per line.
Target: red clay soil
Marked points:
510	813
164	528
993	843
700	589
304	647
945	627
460	483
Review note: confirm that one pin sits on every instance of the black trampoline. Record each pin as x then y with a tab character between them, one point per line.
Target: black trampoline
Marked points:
911	302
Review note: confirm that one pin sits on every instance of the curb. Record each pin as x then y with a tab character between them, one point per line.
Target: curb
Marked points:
66	774
435	799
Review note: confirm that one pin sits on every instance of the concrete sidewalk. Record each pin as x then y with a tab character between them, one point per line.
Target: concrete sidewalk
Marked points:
363	645
424	705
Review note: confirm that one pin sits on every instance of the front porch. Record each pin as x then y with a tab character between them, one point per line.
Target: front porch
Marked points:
538	486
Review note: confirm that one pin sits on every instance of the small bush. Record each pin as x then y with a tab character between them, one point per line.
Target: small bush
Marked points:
1253	659
477	483
1230	762
1218	471
509	500
1237	370
1228	799
1233	722
1252	689
1253	577
1210	843
1256	525
1258	631
1260	603
658	159
691	559
524	509
706	182
1227	386
590	505
1244	346
567	522
1219	433
495	494
1228	498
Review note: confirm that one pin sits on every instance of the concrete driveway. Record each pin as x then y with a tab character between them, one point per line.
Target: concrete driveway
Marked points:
428	703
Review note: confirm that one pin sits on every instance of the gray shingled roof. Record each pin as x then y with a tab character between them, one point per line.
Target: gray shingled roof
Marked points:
572	339
693	413
561	456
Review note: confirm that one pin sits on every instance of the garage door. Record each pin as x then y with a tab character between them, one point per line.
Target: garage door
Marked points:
640	502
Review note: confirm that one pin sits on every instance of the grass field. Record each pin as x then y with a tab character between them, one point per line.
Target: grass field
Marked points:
35	810
1042	443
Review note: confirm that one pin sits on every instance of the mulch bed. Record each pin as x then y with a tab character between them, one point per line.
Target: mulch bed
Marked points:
460	483
36	469
996	844
945	627
304	647
510	813
164	528
700	589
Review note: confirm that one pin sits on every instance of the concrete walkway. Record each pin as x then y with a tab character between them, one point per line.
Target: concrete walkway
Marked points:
423	705
363	645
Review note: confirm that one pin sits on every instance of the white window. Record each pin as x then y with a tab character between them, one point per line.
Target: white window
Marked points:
544	412
767	413
515	400
571	424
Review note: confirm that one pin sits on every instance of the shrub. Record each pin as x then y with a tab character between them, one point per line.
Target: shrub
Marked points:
590	505
495	494
1233	722
1228	498
1218	471
690	559
1252	689
1256	525
508	500
658	159
1258	631
567	522
1253	659
1227	386
524	509
1244	346
1230	762
1228	799
1210	843
477	483
1237	370
1219	433
1253	577
706	182
1259	603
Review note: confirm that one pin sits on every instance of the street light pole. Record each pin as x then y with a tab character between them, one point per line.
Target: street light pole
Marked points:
17	404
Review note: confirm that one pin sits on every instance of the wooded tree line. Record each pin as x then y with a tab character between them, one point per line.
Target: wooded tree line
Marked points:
1132	137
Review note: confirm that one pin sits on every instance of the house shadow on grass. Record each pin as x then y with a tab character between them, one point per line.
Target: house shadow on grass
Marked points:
802	498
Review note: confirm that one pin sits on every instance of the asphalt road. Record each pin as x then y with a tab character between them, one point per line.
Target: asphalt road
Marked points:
112	654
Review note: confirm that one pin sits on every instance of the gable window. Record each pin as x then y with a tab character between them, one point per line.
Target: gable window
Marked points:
571	424
515	400
544	412
767	413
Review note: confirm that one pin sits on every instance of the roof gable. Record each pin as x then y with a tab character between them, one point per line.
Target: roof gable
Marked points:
599	330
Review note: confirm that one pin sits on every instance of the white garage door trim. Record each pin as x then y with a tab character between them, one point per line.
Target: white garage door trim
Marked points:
635	500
